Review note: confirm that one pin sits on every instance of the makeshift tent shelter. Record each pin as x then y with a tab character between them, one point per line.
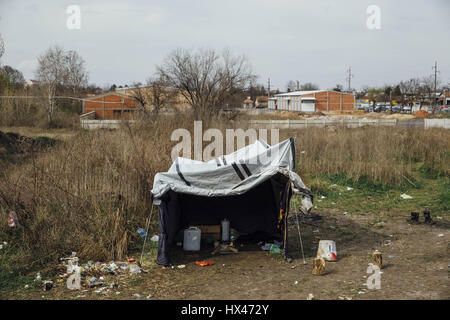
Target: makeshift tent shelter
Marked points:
250	187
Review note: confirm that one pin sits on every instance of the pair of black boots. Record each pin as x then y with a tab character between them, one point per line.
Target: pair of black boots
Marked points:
426	214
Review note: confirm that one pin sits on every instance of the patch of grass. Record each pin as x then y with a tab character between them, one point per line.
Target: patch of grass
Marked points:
443	198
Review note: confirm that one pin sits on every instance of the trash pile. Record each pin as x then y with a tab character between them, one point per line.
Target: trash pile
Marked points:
91	274
3	245
422	114
274	247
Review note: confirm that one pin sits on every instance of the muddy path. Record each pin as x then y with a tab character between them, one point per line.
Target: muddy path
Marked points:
416	259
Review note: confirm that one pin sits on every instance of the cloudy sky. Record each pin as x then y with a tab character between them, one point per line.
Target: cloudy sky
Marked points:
309	41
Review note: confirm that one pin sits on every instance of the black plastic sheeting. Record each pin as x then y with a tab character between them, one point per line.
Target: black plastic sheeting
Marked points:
257	210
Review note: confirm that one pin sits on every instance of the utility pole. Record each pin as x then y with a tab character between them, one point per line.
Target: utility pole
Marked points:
298	85
268	88
435	84
349	79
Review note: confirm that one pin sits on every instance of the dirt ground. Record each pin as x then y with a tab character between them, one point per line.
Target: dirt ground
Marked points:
415	258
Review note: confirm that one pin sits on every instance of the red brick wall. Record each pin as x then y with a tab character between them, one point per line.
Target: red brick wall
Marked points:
334	101
107	111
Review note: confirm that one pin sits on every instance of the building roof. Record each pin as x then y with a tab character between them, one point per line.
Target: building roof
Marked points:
88	97
301	93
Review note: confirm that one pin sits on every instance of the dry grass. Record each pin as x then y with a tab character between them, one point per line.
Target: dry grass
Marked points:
383	155
90	192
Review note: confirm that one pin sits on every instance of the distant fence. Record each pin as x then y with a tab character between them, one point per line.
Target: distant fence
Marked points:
437	123
101	124
305	123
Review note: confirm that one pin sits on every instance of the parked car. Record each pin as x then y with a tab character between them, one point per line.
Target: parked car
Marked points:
378	108
361	107
396	109
406	109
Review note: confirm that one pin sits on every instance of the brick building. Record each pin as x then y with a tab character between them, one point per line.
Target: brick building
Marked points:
110	105
311	101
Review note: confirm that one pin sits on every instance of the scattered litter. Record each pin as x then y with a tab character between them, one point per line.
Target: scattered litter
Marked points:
26	286
296	282
441	235
5	243
48	285
81	296
349	188
134	269
361	292
323	197
149	296
181	266
12	220
310	297
391	257
38	276
333	185
137	295
272	247
377	258
345	213
303	152
141	232
1	246
316	231
318	267
154	238
405	196
100	290
327	250
204	263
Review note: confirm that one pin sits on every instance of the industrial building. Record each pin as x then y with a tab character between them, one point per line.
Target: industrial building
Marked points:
111	105
312	101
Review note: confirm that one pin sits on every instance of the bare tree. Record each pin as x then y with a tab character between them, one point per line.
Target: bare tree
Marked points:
291	86
16	77
58	71
156	95
309	86
425	91
208	81
2	46
76	74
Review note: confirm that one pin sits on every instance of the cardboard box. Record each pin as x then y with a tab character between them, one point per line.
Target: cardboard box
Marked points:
210	231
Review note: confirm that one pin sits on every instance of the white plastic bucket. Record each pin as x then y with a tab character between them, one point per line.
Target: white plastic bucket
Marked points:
327	250
225	230
192	237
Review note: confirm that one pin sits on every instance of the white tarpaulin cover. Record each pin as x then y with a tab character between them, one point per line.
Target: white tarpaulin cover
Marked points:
233	174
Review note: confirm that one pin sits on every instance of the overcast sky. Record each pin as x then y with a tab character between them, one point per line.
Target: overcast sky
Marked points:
309	41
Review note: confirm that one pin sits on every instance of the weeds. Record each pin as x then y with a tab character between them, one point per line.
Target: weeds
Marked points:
89	193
